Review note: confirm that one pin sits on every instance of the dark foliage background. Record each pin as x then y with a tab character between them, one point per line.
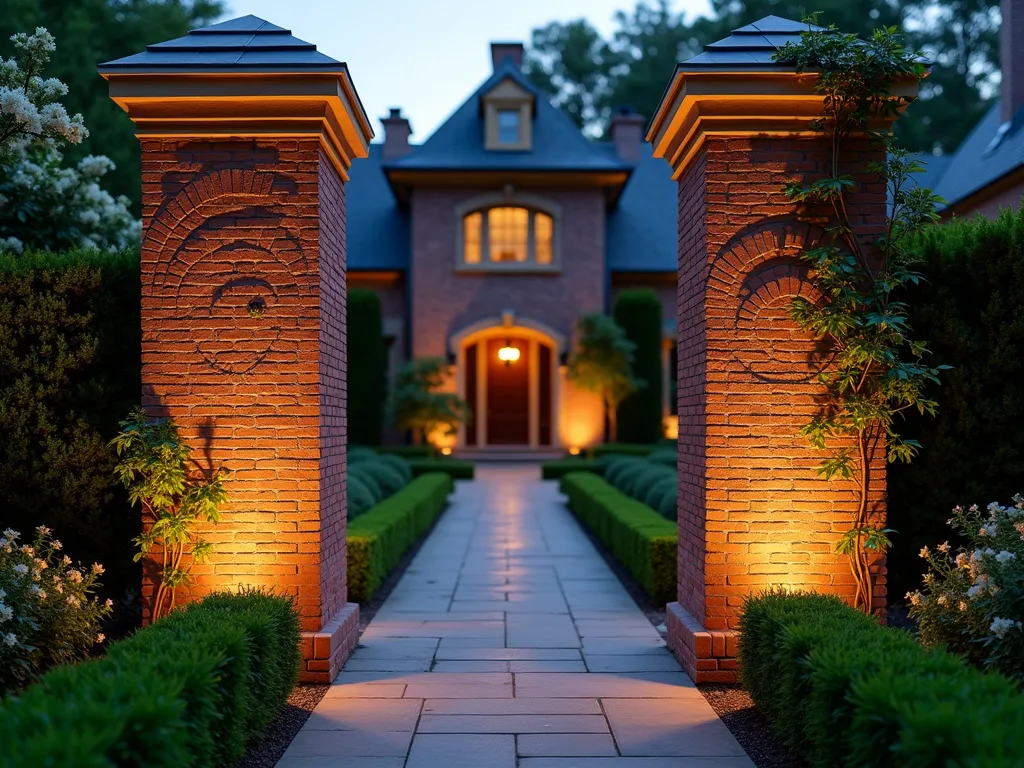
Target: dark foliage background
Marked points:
638	313
69	371
973	451
367	368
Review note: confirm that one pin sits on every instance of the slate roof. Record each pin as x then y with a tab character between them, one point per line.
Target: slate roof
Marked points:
558	145
378	231
641	235
246	44
990	151
750	47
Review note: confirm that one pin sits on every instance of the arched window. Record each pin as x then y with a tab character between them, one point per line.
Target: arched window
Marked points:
506	236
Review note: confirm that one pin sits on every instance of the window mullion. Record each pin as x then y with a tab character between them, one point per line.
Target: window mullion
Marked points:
485	238
530	238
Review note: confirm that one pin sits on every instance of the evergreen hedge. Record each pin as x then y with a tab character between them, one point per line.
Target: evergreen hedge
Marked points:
193	689
842	690
639	538
367	367
969	311
69	371
378	539
557	469
638	312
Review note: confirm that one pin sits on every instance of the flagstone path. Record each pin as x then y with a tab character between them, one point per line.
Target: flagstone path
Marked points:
509	642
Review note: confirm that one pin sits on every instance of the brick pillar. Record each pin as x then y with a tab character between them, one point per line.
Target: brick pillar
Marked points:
243	320
753	513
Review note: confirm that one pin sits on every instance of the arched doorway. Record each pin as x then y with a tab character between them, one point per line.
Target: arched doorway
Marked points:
507	371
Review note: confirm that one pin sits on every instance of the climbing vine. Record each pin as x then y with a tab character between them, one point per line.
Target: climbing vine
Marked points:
877	370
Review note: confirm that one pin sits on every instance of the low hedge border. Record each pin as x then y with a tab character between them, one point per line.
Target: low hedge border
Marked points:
378	539
639	538
556	470
454	468
192	689
624	449
407	451
842	690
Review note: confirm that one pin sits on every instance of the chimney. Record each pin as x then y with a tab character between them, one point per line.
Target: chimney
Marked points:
502	51
1011	92
627	131
397	131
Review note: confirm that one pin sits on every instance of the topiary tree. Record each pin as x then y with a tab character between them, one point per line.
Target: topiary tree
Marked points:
638	313
367	368
417	405
603	363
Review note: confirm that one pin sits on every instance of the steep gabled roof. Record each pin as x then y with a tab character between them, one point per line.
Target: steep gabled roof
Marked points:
245	44
990	151
458	144
377	230
642	234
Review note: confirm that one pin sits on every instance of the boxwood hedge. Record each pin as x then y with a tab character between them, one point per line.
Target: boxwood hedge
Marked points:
842	690
378	539
639	538
193	689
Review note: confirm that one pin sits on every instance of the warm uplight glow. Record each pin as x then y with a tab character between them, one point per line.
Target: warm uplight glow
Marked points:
446	451
508	354
670	426
574	451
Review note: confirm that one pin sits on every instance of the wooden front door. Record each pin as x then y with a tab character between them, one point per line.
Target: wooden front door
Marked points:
508	395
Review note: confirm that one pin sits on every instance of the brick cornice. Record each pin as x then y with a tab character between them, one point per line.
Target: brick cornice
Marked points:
697	105
257	105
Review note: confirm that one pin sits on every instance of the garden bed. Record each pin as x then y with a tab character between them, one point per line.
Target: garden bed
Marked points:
456	469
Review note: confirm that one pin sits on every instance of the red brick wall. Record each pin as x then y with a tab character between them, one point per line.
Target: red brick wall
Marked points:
228	223
752	511
444	301
333	377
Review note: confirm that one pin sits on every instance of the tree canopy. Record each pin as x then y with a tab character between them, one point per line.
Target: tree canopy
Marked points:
92	31
590	77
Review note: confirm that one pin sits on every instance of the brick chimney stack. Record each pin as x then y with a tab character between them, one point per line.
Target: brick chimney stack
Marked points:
397	131
627	130
1011	53
502	51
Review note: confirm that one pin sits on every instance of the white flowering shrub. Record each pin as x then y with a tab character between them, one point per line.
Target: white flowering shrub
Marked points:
973	597
49	613
44	206
30	112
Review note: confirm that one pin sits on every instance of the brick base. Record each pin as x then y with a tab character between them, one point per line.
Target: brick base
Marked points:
707	656
325	652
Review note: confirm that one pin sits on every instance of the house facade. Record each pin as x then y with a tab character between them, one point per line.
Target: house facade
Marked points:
488	241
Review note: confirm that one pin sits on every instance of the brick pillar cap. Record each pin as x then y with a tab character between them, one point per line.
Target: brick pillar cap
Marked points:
736	88
242	77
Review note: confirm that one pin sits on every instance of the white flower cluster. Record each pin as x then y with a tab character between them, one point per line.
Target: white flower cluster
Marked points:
1000	627
68	200
30	112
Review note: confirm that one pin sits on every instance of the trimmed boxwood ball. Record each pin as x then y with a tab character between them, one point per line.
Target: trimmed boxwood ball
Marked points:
359	471
399	464
360	497
357	453
668	457
637	482
652	497
668	507
619	467
388	478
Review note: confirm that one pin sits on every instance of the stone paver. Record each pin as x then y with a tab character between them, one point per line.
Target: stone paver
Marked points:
509	643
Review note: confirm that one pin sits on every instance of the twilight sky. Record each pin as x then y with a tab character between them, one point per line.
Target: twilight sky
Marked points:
424	56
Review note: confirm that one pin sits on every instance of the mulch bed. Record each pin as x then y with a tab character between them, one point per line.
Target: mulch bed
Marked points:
305	697
731	702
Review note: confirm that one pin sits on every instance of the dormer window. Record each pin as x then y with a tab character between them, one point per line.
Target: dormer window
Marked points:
508	126
507	111
504	235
